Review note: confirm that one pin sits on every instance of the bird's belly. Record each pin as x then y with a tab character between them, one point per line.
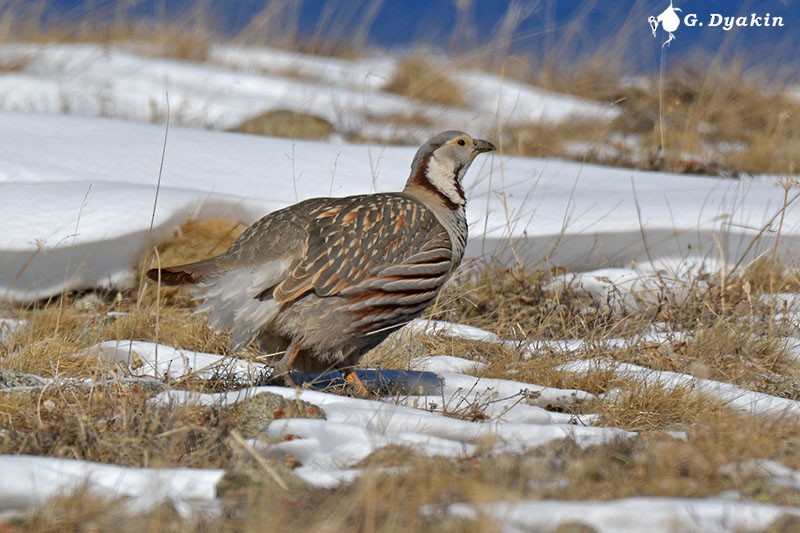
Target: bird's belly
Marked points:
321	327
336	335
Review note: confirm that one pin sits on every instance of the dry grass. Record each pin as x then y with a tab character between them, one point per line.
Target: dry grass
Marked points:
716	119
734	114
115	423
419	79
730	332
656	464
520	303
16	64
552	139
57	330
653	464
196	240
187	38
78	511
287	123
185	35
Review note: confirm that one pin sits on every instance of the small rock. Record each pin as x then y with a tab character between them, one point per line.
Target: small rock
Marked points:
146	386
574	527
10	379
252	416
90	302
247	476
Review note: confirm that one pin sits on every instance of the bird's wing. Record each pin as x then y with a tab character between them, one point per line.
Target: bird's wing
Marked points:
279	236
389	256
231	285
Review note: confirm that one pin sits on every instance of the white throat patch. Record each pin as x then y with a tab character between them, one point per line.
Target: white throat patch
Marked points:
441	175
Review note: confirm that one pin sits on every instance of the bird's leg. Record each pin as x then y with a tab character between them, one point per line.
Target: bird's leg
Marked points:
284	366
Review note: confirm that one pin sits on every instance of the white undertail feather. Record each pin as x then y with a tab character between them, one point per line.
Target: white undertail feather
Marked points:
441	175
231	299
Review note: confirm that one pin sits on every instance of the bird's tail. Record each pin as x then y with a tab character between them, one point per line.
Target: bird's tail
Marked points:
190	273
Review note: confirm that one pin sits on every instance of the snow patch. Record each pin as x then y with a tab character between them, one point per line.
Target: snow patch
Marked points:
634	515
744	400
29	481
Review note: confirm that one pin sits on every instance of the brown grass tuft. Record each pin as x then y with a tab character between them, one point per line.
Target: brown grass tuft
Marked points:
643	407
520	303
655	464
414	497
13	64
557	139
718	118
419	79
113	423
196	240
287	123
187	37
79	510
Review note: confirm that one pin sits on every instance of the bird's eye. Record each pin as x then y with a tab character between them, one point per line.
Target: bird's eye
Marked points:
461	142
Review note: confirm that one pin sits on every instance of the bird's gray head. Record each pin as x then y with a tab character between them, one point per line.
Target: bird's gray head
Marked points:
440	164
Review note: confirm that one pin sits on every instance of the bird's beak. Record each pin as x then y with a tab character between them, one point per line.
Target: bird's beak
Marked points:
482	146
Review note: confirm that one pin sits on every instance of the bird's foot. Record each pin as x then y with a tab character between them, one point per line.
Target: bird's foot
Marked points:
280	374
357	386
282	370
